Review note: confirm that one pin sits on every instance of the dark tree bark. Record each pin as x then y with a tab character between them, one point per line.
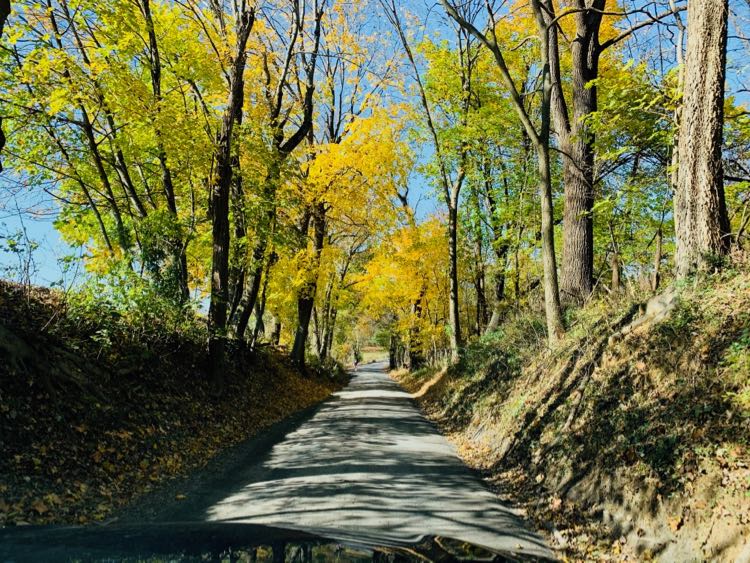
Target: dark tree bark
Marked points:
306	299
454	312
577	145
283	147
219	205
656	274
701	223
4	13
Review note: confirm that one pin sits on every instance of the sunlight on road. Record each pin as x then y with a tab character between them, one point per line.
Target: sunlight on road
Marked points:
368	461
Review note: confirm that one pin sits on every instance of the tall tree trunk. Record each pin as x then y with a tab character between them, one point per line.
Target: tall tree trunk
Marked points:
552	308
261	309
540	139
454	312
577	146
553	311
415	345
578	225
656	274
701	223
219	206
306	299
4	13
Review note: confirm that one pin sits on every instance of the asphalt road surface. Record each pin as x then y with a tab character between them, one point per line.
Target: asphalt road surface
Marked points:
364	462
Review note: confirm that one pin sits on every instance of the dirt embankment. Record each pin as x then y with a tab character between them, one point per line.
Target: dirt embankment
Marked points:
96	409
632	440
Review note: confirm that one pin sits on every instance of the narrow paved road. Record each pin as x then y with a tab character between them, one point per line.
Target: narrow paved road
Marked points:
365	461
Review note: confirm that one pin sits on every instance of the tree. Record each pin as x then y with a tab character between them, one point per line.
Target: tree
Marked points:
575	137
450	155
219	199
283	141
353	74
408	264
540	139
701	224
4	13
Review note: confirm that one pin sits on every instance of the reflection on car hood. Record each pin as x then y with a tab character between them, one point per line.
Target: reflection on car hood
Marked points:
212	541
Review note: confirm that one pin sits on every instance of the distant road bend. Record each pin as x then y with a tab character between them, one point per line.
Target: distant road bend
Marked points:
364	462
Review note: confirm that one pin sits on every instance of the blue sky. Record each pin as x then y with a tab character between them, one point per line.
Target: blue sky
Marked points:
32	211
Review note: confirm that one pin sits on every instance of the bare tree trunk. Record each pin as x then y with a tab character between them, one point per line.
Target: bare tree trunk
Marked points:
701	224
4	13
260	310
219	206
306	300
656	274
454	312
577	145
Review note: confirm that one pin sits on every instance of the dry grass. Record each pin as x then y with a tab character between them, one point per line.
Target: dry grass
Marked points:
637	446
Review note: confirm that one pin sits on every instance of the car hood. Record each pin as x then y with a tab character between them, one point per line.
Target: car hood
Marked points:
219	541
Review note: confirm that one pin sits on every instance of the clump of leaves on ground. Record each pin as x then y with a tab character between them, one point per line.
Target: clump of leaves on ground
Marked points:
101	402
619	443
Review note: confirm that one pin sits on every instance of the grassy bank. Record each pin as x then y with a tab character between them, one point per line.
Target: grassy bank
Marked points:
98	406
631	438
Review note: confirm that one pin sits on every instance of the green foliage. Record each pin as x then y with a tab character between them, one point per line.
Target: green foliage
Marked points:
122	302
736	362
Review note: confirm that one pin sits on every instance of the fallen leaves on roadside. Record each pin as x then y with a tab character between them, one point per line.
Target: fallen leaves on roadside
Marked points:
104	430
